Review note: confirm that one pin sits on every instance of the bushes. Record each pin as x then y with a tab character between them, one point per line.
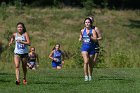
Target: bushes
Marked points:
120	59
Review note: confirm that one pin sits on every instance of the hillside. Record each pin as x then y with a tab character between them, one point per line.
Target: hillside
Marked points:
48	26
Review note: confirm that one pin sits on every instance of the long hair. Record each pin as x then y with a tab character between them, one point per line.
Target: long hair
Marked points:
24	28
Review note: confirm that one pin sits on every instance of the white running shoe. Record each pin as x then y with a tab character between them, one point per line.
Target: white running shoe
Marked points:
89	78
86	78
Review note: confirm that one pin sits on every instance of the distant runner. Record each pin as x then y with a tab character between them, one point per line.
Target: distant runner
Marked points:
57	57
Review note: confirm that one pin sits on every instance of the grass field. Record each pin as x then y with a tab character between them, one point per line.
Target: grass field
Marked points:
106	80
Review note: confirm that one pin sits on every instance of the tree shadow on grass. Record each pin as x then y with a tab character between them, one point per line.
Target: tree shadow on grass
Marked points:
63	80
68	77
5	74
133	24
46	82
64	83
115	78
4	81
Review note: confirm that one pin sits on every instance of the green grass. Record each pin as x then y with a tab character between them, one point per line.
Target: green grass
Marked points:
72	81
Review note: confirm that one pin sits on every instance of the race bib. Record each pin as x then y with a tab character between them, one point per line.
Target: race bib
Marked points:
20	46
86	40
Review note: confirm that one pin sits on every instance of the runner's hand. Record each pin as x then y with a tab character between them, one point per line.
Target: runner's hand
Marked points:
55	59
10	44
19	41
80	39
63	62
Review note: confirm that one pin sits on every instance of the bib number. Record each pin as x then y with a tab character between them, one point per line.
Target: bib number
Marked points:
86	40
20	46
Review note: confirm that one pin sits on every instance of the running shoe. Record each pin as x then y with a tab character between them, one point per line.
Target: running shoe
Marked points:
24	81
89	78
17	82
86	78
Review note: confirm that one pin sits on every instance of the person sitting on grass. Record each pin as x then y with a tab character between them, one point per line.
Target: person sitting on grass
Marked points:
57	57
33	62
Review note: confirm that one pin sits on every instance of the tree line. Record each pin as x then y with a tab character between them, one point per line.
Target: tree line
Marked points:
115	4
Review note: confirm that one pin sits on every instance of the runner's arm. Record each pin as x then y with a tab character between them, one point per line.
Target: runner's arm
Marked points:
93	36
80	37
99	33
12	39
51	55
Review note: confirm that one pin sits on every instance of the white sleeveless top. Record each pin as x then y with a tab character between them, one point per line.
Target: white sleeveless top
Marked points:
19	47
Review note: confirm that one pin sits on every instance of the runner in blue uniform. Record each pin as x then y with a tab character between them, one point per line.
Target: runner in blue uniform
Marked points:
57	57
22	41
88	37
99	37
